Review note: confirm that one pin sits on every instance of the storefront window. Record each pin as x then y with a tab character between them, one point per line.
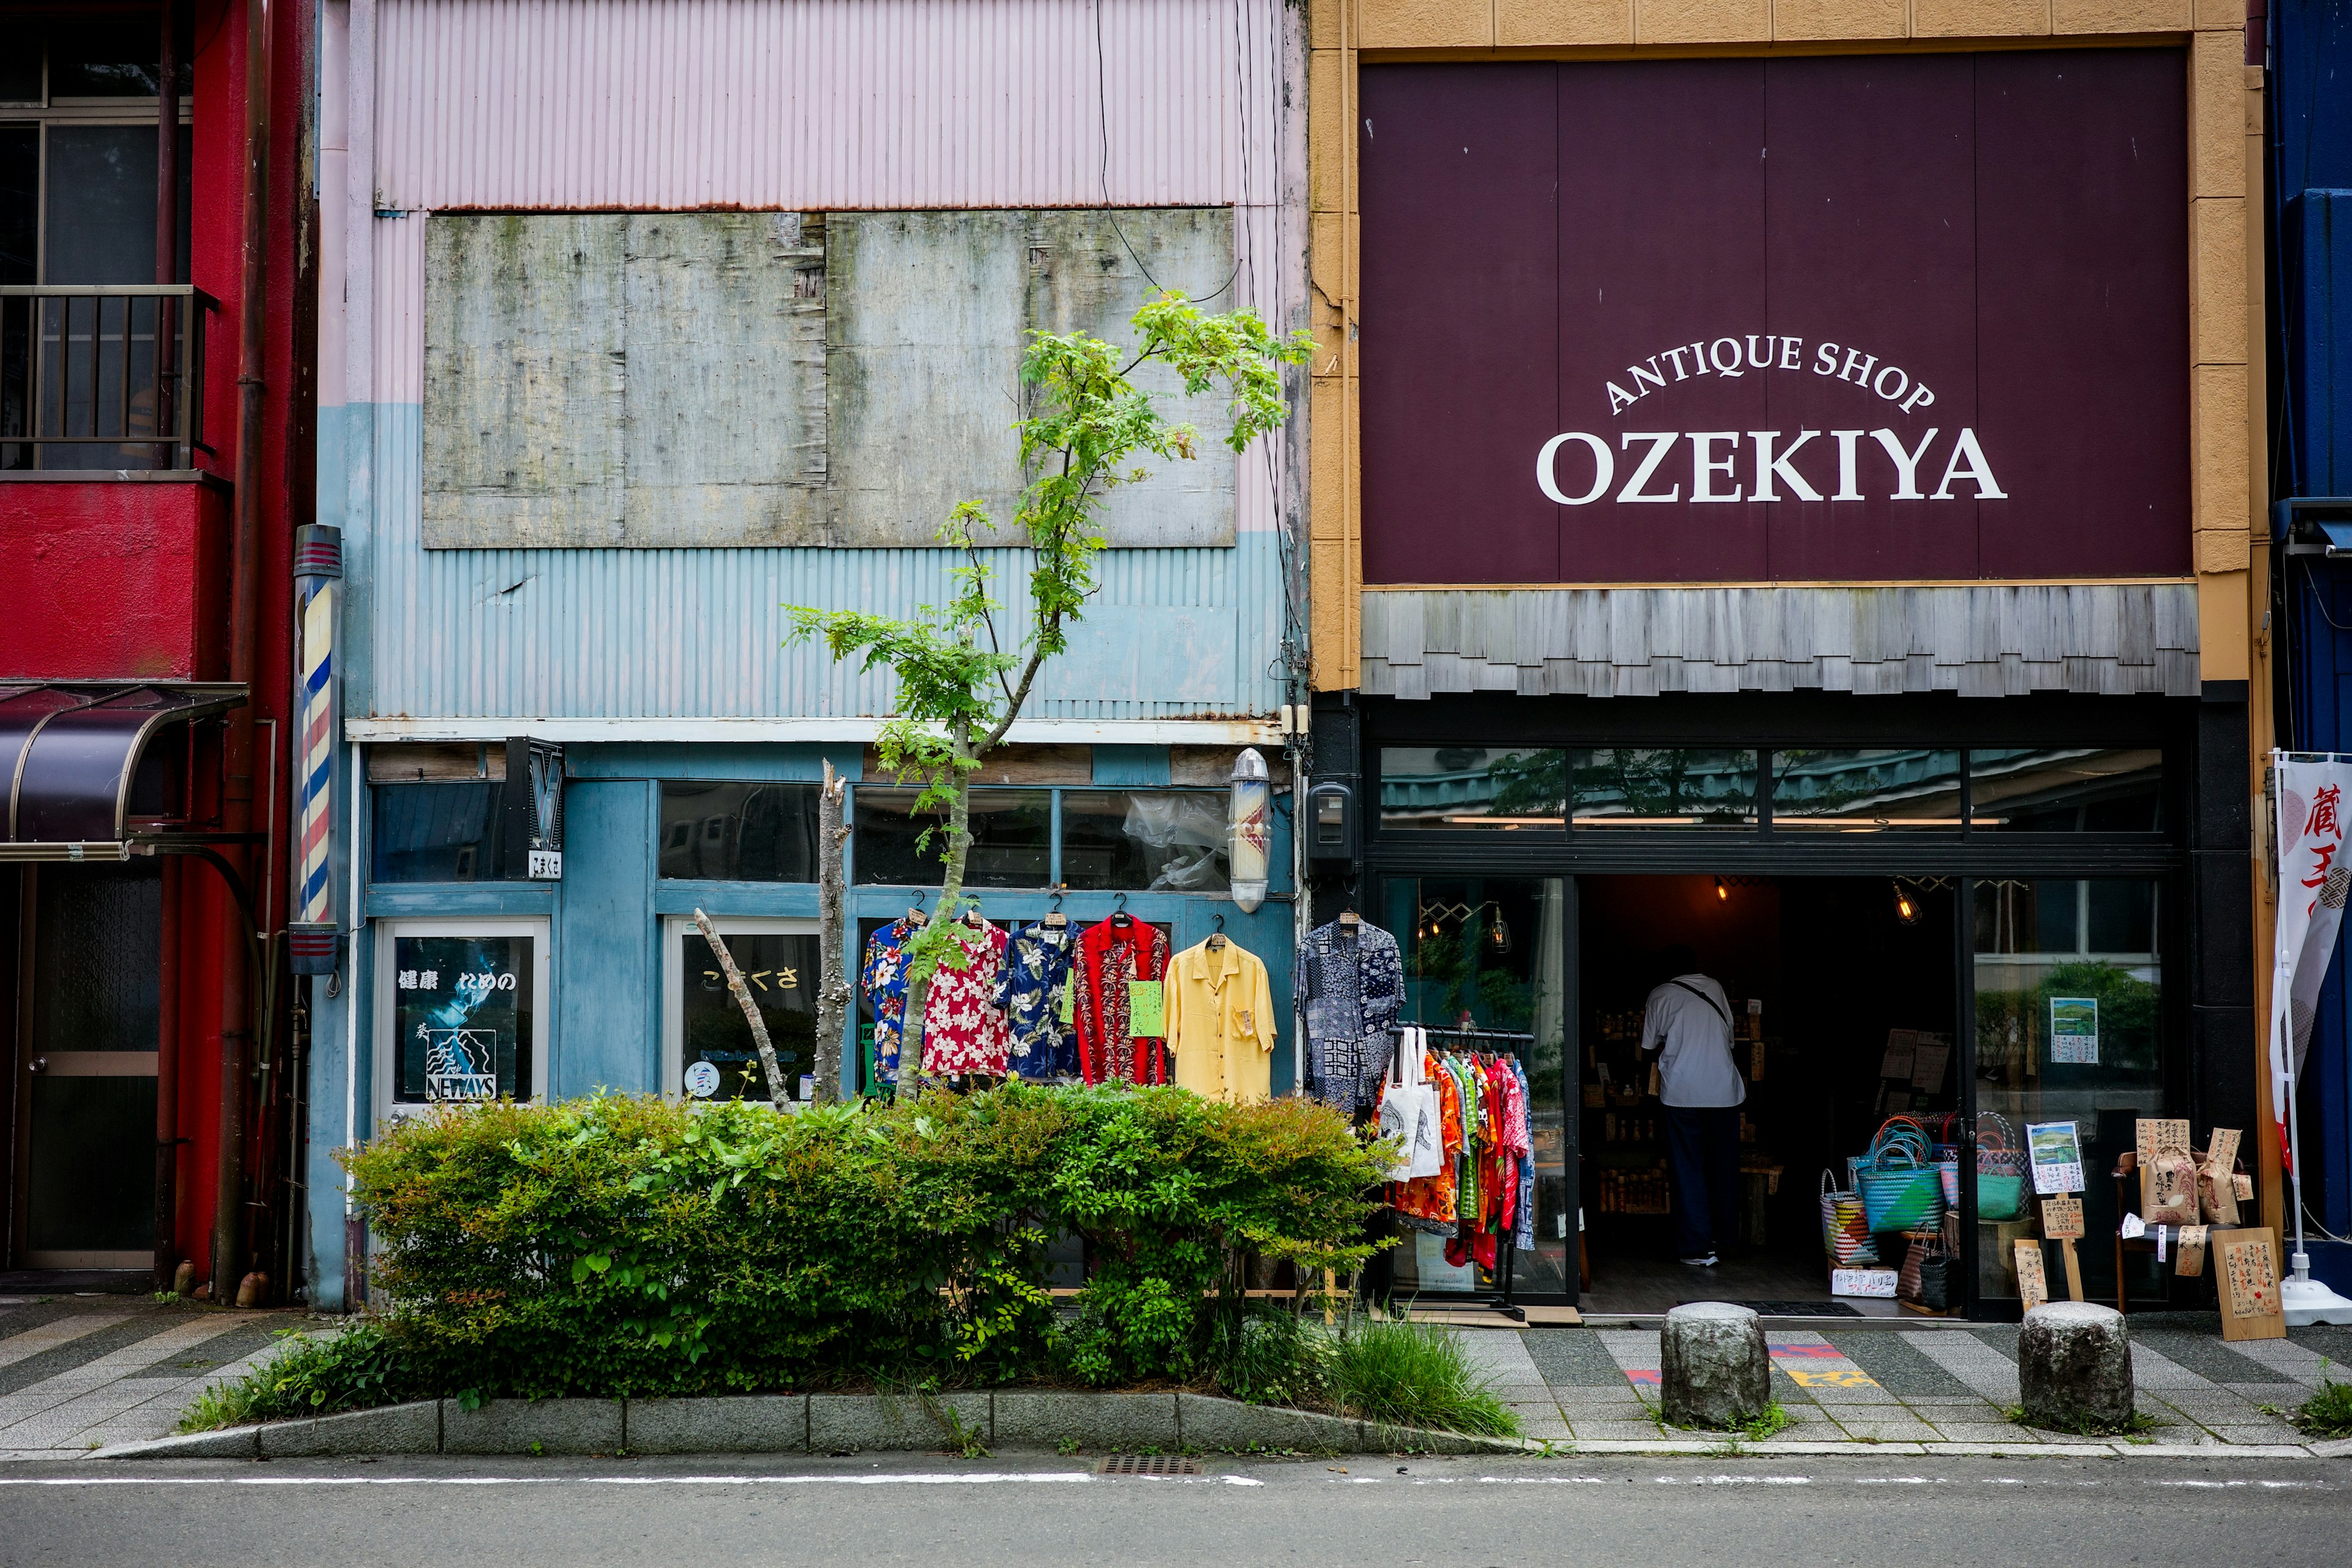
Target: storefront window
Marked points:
1663	787
731	832
781	970
2066	790
2069	992
1156	841
1848	790
1471	786
464	1017
1011	833
1488	954
436	831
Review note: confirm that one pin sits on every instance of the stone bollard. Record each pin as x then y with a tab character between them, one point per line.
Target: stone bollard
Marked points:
2074	1369
1717	1373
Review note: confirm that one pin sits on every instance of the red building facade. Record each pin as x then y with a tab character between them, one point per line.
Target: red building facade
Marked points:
156	456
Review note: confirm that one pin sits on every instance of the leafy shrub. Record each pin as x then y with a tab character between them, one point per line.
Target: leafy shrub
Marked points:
356	1367
1269	1355
623	1245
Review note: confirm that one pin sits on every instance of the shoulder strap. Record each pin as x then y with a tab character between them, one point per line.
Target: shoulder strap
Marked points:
1712	1006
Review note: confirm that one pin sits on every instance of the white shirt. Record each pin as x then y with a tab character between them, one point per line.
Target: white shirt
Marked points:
1696	1067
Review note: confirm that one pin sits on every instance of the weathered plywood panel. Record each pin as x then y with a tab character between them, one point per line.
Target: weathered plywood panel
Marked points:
634	380
524	370
923	366
928	315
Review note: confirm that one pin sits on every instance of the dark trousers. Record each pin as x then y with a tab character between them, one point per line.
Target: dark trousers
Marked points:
1702	1148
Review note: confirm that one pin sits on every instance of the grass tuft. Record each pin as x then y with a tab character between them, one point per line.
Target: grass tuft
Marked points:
2328	1412
348	1371
2015	1415
1403	1373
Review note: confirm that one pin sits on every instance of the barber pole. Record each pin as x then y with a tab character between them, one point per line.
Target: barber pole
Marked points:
312	936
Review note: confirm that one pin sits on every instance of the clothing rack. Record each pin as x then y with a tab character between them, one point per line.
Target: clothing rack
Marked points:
1516	1044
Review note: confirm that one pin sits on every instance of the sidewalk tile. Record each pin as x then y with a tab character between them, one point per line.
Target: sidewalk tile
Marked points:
1893	1431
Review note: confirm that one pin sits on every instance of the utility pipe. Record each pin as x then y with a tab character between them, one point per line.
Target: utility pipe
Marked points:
236	977
167	1033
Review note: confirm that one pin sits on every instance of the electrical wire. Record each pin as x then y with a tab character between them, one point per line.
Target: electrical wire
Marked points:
1102	123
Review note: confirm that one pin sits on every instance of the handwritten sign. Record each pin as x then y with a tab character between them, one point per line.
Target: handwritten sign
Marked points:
2251	1309
2191	1262
2224	1152
2032	1283
2152	1136
2061	1219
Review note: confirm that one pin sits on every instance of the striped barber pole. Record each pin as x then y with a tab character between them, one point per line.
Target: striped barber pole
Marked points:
312	936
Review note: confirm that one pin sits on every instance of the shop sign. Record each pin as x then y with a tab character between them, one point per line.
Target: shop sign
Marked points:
1851	317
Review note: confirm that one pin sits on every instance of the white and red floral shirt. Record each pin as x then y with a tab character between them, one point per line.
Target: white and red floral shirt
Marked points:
965	1030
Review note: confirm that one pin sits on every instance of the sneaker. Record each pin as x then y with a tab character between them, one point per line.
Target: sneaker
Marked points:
1704	1260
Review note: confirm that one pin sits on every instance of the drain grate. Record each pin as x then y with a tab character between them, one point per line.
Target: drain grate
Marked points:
1148	1465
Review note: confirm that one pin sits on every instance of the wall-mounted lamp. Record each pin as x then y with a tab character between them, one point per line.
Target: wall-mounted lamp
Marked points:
1251	827
1498	934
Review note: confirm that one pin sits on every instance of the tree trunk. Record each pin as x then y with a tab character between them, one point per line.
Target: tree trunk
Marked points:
919	991
832	988
750	1010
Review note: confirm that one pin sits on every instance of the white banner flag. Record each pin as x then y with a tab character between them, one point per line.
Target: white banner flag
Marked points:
2313	881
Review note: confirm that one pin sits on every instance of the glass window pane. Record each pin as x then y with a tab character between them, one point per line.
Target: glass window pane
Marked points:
1011	832
1849	790
1668	786
101	205
96	931
1490	953
1145	840
782	970
1471	786
437	832
2066	789
731	832
117	58
462	1015
2069	992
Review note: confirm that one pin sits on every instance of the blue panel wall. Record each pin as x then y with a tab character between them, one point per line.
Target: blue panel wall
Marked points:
2311	222
607	982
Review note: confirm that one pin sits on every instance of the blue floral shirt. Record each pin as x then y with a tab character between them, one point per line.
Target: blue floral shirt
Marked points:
1036	974
883	973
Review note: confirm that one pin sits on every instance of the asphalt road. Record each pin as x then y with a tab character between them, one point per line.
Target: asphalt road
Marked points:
1030	1513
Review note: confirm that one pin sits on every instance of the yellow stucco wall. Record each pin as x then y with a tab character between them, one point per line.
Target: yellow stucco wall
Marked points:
2225	275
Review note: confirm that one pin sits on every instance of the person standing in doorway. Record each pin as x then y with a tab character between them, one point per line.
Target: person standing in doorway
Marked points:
1688	1023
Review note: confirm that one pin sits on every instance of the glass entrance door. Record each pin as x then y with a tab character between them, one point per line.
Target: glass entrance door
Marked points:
2068	982
86	1067
1490	954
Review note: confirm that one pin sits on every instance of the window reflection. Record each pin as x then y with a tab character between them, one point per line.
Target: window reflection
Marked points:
781	972
436	831
2066	790
1012	838
1851	790
740	832
1663	787
1471	786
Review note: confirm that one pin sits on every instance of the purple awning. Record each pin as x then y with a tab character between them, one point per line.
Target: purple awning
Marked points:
69	754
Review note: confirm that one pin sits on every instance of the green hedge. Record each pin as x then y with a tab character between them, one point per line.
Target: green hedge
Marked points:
618	1245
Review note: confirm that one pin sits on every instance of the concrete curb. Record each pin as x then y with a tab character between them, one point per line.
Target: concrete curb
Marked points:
1027	1419
816	1423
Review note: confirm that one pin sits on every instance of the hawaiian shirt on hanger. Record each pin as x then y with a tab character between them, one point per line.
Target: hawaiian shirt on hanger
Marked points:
1037	972
1523	1234
963	1032
1109	955
883	974
1351	987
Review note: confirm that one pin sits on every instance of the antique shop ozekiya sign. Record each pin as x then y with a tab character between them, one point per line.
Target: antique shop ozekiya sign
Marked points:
1844	319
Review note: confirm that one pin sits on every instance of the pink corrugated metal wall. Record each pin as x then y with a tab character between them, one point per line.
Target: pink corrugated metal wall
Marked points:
826	103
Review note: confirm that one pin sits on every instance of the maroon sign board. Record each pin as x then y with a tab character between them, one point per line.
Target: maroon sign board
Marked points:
1848	318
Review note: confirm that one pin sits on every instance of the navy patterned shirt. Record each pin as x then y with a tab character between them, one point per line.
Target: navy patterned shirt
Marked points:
1036	974
1350	989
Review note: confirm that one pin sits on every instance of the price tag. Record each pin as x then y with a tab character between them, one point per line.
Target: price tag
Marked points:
2061	1219
1147	1010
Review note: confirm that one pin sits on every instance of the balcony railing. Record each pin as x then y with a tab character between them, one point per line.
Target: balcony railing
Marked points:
101	376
